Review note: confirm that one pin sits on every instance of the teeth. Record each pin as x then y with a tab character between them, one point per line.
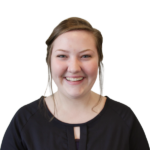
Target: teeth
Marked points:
74	79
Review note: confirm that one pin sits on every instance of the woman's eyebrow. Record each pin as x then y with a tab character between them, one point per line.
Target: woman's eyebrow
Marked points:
69	51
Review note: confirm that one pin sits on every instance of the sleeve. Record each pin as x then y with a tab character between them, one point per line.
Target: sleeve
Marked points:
12	137
138	140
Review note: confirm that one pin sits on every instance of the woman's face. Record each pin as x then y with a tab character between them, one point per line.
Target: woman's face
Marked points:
74	55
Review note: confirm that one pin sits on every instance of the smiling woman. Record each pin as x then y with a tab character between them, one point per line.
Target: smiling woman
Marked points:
78	43
75	117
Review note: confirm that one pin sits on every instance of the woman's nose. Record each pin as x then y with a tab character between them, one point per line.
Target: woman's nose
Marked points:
74	66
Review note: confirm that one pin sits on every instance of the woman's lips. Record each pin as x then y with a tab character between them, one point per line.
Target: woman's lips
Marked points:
74	76
74	82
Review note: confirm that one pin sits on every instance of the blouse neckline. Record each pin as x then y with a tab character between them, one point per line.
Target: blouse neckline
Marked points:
88	122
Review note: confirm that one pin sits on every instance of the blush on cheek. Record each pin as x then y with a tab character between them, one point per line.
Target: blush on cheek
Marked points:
92	69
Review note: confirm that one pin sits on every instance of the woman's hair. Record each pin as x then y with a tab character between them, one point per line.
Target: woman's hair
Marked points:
73	23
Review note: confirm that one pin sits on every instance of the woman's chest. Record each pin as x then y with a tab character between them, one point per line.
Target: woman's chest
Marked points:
80	118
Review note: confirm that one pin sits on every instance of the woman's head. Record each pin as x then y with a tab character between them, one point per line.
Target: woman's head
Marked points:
82	36
74	55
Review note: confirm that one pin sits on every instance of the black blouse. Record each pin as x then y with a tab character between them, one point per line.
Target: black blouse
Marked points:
115	128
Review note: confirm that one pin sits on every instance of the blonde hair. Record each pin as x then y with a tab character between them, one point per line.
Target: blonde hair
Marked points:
74	23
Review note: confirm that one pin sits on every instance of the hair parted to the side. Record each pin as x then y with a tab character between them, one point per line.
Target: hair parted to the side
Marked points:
74	23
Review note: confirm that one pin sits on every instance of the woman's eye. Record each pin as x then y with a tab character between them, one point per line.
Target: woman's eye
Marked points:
86	55
60	56
64	55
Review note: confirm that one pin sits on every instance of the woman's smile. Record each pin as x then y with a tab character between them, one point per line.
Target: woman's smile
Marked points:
74	81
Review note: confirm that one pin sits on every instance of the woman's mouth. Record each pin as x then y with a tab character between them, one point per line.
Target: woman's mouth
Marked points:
74	81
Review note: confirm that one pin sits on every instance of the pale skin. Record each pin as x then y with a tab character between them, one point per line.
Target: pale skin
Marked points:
74	100
84	116
74	103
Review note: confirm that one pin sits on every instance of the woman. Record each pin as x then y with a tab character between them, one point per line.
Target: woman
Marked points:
75	118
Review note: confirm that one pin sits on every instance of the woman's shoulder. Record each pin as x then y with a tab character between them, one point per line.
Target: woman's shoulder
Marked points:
30	107
119	109
24	113
117	105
